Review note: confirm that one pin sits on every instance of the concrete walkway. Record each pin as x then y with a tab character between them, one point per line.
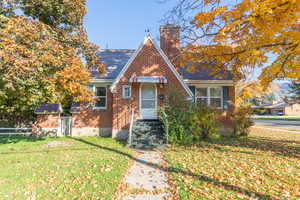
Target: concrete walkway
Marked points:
145	180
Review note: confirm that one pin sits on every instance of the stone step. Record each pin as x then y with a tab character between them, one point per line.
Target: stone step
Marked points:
147	134
144	141
147	128
155	132
146	123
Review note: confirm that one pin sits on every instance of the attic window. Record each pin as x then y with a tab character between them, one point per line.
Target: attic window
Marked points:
126	91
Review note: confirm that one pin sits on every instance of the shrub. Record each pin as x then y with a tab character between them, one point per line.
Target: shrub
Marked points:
176	117
242	121
204	122
185	123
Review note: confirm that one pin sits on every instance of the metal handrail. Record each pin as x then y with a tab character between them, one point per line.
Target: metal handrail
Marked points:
130	127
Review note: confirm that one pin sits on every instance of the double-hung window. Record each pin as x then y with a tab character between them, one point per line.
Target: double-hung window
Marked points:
101	97
209	96
100	94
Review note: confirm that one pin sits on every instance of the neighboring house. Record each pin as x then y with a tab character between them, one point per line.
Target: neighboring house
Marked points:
137	81
289	109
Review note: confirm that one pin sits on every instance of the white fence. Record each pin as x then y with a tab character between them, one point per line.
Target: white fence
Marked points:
15	131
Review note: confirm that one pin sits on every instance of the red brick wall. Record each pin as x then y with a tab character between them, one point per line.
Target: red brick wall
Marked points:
232	95
47	121
225	114
94	118
170	41
148	63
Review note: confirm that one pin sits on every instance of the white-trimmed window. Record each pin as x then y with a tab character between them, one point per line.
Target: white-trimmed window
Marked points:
126	91
100	94
209	96
101	97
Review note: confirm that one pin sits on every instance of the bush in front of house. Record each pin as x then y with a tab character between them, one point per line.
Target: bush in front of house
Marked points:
186	123
176	117
242	121
204	122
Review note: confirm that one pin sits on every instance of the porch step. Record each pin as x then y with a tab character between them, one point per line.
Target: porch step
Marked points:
148	134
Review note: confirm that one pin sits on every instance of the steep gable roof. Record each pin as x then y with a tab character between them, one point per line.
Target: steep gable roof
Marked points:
114	61
162	54
203	74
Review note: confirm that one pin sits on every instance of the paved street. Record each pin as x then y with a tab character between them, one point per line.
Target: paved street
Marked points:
295	125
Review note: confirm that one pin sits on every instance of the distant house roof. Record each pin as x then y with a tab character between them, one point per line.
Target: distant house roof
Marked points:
116	59
49	108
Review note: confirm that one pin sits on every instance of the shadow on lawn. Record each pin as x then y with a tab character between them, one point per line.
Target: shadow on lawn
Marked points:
216	182
279	147
18	138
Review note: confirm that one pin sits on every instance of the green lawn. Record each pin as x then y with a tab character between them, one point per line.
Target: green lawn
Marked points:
82	168
264	166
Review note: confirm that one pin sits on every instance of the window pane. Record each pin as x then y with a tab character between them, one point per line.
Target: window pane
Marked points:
148	91
127	92
215	102
148	104
101	91
202	101
215	92
201	92
101	102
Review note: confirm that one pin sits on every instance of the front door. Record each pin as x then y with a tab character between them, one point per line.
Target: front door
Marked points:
148	104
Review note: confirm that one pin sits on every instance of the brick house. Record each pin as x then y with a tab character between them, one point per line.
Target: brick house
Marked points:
137	82
279	108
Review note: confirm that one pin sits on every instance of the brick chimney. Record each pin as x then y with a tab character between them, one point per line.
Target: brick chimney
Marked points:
170	41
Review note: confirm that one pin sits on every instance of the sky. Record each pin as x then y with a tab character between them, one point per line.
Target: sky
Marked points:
121	24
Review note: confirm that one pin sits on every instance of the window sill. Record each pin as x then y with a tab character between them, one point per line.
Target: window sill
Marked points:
99	108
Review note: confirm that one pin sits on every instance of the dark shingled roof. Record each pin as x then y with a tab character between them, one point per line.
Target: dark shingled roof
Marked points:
204	75
116	59
46	108
75	108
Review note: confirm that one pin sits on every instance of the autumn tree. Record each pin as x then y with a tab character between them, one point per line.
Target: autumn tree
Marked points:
241	35
44	55
295	90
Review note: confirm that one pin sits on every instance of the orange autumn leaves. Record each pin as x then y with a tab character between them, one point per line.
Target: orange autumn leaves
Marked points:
248	34
45	55
36	66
